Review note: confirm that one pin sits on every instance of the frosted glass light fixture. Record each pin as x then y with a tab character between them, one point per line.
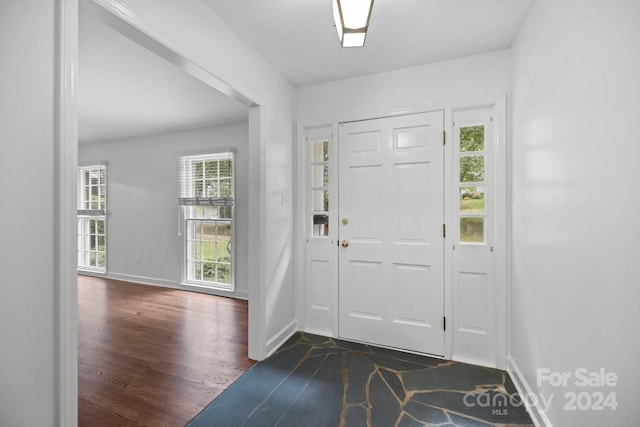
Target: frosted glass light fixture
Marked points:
352	21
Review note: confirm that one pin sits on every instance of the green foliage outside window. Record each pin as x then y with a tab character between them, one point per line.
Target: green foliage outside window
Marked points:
472	138
472	169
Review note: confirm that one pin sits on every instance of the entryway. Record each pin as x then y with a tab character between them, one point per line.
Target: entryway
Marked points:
404	231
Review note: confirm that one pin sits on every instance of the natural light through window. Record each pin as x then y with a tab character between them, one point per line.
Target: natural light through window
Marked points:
471	184
92	218
319	188
207	200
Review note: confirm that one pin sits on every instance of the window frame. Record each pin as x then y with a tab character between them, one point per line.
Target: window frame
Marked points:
189	206
84	217
485	183
325	189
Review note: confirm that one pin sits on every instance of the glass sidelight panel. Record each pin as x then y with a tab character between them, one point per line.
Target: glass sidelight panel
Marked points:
320	225
320	176
472	156
472	199
472	230
320	200
472	169
472	138
319	151
319	188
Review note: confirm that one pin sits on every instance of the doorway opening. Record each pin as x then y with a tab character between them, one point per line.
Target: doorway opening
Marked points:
129	179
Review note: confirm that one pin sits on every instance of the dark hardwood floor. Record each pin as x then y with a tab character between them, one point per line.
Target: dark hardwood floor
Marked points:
151	356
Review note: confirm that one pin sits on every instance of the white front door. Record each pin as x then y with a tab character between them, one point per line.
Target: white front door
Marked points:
391	289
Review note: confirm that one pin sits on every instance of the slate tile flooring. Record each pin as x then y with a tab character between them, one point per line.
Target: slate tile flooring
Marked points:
320	381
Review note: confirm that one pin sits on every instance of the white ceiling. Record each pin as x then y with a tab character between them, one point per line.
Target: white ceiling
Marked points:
298	37
126	91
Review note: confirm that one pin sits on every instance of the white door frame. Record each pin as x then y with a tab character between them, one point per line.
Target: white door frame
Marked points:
114	14
502	218
503	230
65	211
127	22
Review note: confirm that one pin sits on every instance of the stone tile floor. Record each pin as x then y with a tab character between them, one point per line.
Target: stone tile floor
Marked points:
320	381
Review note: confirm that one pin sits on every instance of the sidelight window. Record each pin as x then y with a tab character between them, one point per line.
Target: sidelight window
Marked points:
319	188
472	184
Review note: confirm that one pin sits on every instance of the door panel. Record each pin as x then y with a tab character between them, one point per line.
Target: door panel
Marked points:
411	286
391	196
366	290
473	311
366	217
319	271
409	225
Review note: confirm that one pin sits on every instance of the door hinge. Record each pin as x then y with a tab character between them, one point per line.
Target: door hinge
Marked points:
444	137
444	230
444	323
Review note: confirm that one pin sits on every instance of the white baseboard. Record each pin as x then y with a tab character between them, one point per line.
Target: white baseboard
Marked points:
321	332
476	362
538	416
281	337
151	281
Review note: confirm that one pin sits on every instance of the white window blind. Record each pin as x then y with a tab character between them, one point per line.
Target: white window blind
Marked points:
206	180
92	190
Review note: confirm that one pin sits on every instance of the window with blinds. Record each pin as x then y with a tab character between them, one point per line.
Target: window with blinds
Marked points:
92	218
207	199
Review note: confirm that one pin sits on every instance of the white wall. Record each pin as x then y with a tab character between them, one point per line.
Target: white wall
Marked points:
575	281
465	81
195	30
28	371
30	310
142	176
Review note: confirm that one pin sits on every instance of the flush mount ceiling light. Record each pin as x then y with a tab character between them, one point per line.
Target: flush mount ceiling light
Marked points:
352	21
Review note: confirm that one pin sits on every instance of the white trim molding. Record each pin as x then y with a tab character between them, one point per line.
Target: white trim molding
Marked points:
281	337
257	231
536	412
503	230
65	170
120	17
117	15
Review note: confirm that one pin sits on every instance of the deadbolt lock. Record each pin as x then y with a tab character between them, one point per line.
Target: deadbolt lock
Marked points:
345	221
345	243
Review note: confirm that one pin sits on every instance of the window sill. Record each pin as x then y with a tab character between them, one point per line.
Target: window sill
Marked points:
209	285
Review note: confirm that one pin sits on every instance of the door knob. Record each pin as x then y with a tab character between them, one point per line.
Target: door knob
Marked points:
345	221
345	243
